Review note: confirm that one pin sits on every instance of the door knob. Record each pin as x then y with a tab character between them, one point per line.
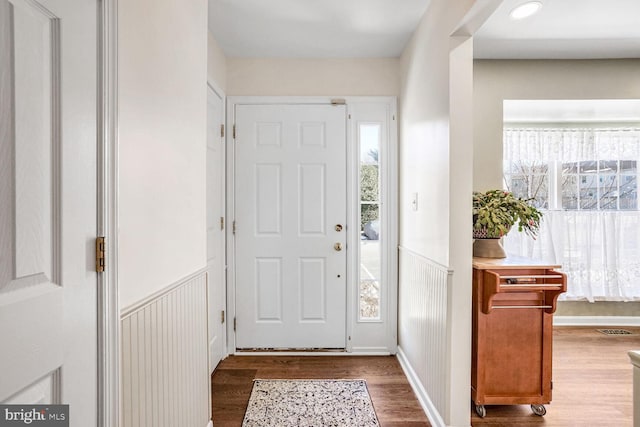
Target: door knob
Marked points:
337	247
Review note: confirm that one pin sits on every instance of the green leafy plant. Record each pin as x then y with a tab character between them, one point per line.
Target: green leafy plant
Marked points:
496	211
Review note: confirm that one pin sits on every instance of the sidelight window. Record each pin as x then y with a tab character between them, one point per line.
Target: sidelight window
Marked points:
369	138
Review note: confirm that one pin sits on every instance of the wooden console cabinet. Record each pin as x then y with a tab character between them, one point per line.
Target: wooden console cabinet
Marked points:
514	299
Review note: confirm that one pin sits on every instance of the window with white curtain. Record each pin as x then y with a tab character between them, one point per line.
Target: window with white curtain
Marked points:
585	179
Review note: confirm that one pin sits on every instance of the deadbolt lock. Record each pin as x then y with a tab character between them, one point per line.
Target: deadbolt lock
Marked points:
338	227
337	247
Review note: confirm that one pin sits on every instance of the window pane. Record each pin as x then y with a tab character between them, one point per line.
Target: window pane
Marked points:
589	167
588	192
519	186
529	180
608	192
628	166
570	192
569	168
608	166
369	136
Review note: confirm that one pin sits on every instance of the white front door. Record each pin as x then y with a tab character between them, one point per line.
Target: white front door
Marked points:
215	226
290	211
48	215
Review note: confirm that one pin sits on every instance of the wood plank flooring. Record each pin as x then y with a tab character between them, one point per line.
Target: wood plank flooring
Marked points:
592	377
592	383
391	394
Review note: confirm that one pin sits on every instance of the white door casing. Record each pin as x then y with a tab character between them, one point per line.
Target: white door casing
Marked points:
48	323
215	225
289	195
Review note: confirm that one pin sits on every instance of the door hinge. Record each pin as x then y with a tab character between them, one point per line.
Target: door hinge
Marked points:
221	223
222	317
234	131
234	324
551	385
100	254
222	131
338	101
233	227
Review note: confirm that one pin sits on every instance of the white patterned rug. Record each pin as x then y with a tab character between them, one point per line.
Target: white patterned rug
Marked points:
306	403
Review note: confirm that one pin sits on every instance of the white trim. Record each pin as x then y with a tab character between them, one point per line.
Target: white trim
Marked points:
596	321
108	328
150	299
210	423
393	219
213	86
423	398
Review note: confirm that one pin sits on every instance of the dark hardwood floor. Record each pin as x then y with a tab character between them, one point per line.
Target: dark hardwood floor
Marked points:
393	399
592	379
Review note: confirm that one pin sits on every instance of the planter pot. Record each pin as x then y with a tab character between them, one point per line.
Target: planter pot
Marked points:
488	248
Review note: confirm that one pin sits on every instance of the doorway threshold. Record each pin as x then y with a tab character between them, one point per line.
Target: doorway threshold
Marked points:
253	351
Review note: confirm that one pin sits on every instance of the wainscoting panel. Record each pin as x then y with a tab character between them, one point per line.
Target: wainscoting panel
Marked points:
423	328
165	378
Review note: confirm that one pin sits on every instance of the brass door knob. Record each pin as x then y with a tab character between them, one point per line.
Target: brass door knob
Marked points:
337	247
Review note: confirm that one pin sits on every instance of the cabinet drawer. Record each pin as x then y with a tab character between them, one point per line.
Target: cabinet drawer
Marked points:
548	284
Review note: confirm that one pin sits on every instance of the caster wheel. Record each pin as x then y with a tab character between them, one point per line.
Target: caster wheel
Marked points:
481	411
539	410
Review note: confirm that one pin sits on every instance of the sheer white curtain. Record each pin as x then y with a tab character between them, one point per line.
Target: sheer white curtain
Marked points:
599	250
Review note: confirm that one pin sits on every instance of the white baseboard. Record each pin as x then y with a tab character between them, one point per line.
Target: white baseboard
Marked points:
427	406
596	321
210	423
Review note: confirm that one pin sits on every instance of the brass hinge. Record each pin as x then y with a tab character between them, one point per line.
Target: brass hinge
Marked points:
233	227
222	131
222	317
338	101
221	223
234	324
100	254
234	131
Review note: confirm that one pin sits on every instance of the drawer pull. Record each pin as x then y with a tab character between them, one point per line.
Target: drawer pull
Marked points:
520	306
528	285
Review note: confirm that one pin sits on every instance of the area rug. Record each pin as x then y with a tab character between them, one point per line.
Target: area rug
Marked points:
306	403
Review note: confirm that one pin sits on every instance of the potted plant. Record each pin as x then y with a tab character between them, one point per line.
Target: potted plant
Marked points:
494	213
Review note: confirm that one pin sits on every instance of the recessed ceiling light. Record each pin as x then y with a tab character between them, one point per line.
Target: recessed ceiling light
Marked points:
525	10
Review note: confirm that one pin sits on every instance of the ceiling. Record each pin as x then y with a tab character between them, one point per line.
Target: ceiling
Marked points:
314	28
563	29
570	29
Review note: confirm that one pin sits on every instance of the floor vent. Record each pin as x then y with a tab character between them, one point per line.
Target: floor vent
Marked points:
614	331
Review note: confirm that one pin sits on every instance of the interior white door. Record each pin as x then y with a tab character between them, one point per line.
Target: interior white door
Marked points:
215	226
48	204
290	210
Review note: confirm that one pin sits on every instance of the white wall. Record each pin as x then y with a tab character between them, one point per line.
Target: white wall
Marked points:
496	80
162	75
216	63
435	163
300	77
